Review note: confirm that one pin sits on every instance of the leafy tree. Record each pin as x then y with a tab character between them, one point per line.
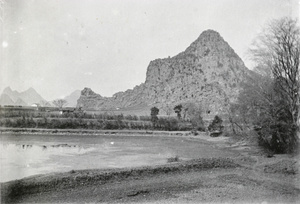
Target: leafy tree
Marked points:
178	110
260	105
60	103
154	113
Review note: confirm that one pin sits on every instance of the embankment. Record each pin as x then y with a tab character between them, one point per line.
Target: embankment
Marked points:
11	191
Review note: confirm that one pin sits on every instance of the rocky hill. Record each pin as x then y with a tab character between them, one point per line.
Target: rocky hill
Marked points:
25	98
208	73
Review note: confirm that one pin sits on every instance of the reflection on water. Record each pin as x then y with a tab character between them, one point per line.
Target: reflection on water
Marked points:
26	155
30	155
20	160
10	151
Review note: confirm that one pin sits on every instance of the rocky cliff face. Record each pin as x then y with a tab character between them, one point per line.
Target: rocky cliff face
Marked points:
208	73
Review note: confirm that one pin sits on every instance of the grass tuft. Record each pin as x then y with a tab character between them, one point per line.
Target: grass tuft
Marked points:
173	159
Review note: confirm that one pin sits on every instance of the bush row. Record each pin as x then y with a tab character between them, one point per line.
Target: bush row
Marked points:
40	114
167	124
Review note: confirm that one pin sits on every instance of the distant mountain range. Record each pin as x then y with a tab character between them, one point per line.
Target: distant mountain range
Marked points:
31	96
25	98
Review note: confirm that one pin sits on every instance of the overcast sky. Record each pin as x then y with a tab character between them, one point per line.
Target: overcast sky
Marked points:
58	46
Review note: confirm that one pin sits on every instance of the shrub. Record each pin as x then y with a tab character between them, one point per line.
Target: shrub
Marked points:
154	118
178	110
55	123
130	117
173	159
216	125
168	124
8	123
145	118
194	132
276	135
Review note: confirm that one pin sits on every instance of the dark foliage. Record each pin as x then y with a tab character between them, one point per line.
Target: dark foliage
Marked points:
178	110
216	125
154	118
167	124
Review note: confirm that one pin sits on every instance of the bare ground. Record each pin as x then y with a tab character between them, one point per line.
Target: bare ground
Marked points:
251	177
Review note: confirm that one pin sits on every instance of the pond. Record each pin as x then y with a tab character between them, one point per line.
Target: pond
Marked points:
25	155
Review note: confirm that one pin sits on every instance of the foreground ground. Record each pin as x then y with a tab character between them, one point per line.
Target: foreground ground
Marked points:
250	176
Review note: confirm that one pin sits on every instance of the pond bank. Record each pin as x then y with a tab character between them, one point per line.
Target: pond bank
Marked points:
13	190
236	180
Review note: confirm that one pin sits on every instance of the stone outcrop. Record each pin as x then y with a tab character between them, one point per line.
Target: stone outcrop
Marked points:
208	72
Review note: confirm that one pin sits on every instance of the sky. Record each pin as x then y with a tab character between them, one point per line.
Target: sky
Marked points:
59	46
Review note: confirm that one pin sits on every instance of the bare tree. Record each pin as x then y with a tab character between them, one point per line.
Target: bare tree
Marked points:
255	103
278	48
60	103
277	51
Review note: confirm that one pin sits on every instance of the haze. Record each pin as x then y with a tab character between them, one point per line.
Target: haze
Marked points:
59	46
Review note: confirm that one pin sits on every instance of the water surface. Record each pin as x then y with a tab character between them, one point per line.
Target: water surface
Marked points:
25	155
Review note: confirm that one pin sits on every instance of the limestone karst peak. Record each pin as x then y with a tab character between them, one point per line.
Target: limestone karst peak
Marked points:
209	33
88	92
208	73
209	42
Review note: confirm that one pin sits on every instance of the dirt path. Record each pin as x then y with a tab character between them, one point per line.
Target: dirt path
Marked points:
218	185
256	178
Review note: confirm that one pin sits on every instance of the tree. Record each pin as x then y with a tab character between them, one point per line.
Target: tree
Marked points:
193	113
216	125
260	107
255	100
177	110
60	103
154	113
277	51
